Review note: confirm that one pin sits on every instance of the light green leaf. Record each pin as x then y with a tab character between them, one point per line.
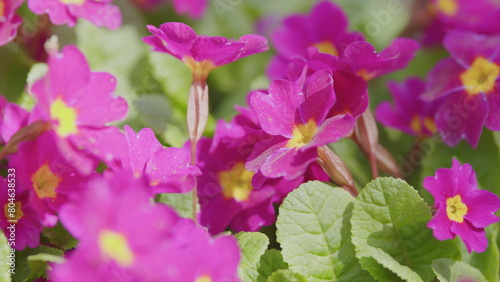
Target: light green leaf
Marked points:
448	270
252	245
313	230
24	272
389	231
4	253
174	77
38	263
154	111
271	261
285	275
181	202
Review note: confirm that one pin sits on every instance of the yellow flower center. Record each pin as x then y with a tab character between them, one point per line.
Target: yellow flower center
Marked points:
417	126
45	182
73	2
115	246
65	117
204	278
456	209
16	211
236	183
365	74
326	47
481	76
448	7
302	134
199	70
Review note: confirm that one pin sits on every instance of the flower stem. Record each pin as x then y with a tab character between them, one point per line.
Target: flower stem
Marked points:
197	116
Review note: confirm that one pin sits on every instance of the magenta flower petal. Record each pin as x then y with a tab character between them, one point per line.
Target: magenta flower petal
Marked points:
493	119
332	130
78	104
28	227
47	174
285	162
13	118
461	117
100	13
101	108
282	95
142	146
462	209
364	60
322	15
294	112
252	220
179	38
216	49
324	28
351	92
466	46
253	44
482	207
319	97
439	82
287	42
68	73
108	144
170	171
201	53
388	116
8	29
441	226
193	8
473	238
449	182
410	113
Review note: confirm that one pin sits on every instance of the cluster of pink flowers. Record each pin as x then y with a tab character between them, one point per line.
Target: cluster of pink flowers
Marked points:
55	150
99	12
461	95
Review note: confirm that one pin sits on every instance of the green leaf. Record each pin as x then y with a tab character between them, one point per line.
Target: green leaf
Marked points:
448	270
60	237
23	269
181	202
4	253
389	231
252	245
154	111
270	262
174	77
496	135
38	263
488	261
286	276
314	233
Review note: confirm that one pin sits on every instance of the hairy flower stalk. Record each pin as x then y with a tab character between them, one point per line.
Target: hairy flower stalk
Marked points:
197	116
